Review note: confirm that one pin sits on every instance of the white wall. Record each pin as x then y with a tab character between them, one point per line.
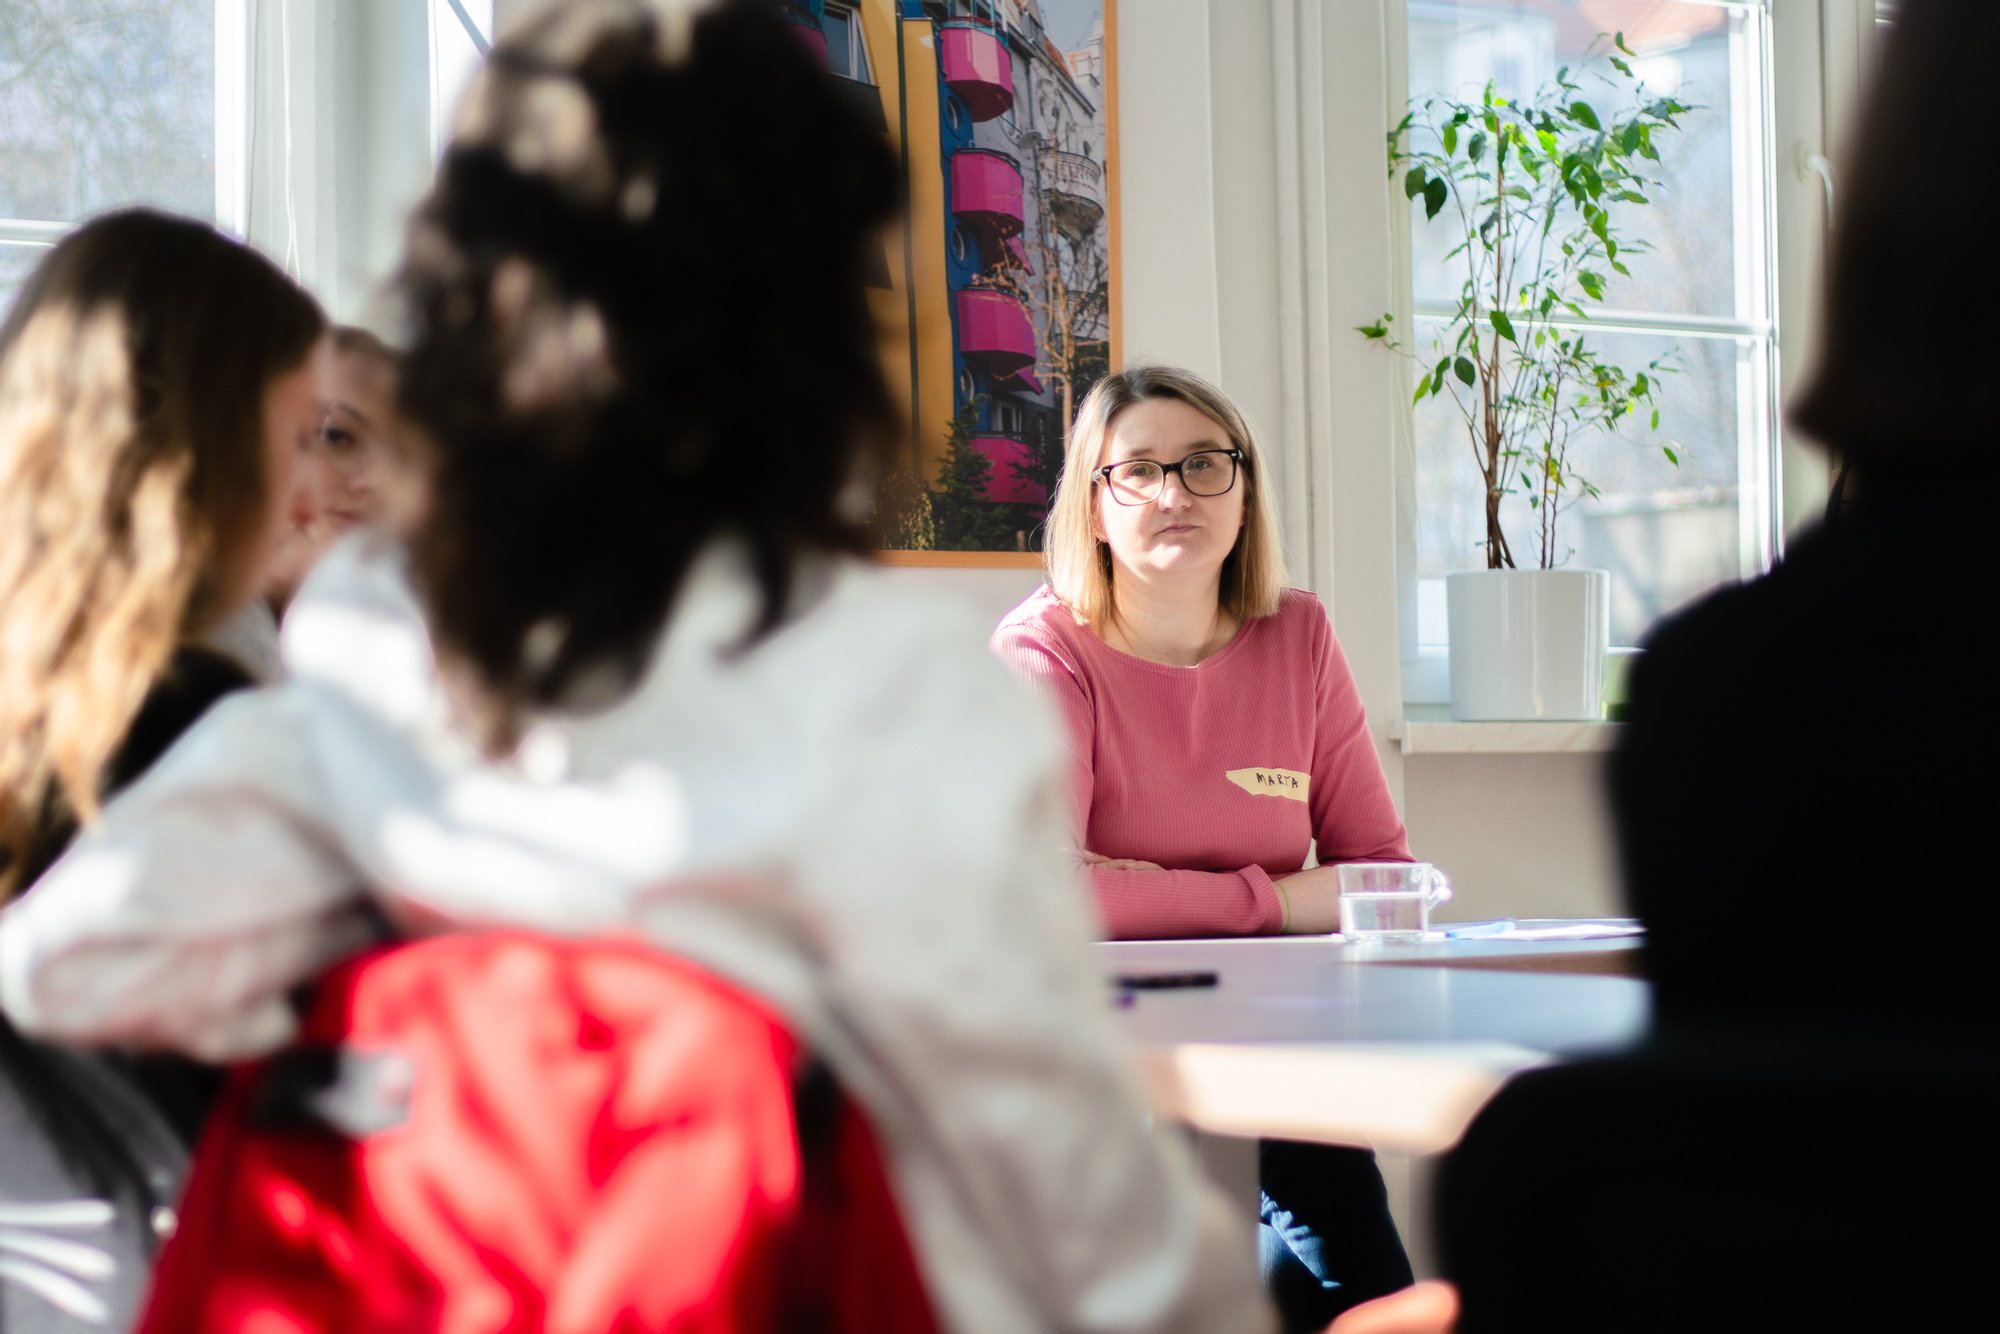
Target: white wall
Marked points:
992	593
1521	835
381	144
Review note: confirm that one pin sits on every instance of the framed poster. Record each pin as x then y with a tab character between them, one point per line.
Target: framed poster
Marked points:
996	306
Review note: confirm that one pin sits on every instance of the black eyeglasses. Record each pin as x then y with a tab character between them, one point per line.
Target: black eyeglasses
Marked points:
1206	472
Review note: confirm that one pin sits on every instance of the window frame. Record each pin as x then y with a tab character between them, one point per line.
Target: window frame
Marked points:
321	192
231	129
1816	58
857	46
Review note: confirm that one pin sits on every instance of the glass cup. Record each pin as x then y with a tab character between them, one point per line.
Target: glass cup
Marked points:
1389	902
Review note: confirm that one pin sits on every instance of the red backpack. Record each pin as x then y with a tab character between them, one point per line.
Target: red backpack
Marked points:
497	1134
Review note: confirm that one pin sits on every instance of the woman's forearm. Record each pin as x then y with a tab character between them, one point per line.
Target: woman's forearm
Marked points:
1165	904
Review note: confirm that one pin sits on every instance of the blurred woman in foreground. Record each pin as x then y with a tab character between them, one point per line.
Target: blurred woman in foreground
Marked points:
635	674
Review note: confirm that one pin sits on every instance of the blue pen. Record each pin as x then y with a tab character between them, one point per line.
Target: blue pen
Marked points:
1472	930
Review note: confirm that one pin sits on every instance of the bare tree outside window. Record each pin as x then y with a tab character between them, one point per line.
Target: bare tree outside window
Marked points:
102	103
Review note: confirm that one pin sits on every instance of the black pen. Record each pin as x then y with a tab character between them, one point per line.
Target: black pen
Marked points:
1164	981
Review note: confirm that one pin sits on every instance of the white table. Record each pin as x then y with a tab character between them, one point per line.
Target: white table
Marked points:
1394	1047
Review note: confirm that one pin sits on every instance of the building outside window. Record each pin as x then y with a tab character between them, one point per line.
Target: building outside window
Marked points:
1665	533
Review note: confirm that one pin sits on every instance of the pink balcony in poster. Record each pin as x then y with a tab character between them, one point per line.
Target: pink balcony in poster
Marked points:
1023	380
977	68
994	330
986	191
1007	484
806	17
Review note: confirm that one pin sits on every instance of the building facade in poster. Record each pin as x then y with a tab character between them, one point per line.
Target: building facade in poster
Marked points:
994	306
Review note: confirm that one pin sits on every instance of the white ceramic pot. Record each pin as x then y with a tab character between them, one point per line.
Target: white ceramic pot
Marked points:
1528	644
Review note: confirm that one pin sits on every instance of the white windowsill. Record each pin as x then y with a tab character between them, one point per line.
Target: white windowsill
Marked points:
1428	730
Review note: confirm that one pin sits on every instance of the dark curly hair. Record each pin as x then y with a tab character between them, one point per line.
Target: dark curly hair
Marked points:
638	322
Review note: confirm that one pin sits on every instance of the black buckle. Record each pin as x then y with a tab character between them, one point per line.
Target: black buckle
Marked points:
333	1089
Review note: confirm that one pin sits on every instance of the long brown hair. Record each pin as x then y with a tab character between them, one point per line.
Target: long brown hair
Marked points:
133	487
638	322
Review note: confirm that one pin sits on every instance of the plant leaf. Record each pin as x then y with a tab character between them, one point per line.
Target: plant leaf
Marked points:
1581	113
1504	327
1463	369
1475	148
1423	387
1450	137
1435	193
1413	182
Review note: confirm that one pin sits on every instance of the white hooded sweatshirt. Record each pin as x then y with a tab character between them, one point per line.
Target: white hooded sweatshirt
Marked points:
859	819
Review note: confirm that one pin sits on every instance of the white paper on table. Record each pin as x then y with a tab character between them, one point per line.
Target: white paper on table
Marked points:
1573	931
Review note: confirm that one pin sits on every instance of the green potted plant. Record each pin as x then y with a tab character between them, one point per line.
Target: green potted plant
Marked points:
1535	194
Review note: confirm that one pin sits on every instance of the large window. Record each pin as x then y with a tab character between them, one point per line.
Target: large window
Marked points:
1665	533
102	103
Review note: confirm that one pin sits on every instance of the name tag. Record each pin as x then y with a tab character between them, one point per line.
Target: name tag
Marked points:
1271	782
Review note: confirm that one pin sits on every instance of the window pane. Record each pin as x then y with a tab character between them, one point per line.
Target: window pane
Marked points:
15	263
1666	533
1711	171
839	39
107	102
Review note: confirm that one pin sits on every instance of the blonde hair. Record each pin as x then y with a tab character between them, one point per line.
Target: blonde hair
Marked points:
133	485
1078	561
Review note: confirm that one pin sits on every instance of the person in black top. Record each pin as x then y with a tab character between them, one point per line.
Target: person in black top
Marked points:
157	382
1804	791
1803	797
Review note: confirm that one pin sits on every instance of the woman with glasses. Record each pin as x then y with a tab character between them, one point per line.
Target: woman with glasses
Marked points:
1217	738
1216	732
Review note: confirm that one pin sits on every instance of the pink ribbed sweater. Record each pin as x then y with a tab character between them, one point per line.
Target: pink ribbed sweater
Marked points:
1225	772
